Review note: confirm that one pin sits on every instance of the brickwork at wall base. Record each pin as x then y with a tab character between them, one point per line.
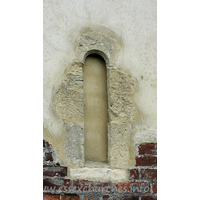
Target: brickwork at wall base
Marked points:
142	184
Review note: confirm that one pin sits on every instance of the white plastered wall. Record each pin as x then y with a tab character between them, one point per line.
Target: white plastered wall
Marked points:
134	21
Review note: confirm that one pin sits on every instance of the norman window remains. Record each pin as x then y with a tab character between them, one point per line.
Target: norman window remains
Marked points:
96	103
95	108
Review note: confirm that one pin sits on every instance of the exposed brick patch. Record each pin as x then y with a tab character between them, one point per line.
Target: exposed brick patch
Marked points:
140	180
105	196
88	198
130	198
123	186
148	198
56	184
47	196
82	185
69	197
48	156
134	174
54	170
149	174
147	149
154	187
146	161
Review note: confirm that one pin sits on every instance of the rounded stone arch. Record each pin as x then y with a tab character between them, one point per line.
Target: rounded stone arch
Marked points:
98	40
97	52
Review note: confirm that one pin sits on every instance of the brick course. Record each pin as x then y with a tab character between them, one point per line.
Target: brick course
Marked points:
142	184
134	174
69	197
154	186
51	196
54	170
146	161
150	149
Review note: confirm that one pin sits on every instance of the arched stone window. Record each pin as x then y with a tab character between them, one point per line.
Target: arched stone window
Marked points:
114	153
95	108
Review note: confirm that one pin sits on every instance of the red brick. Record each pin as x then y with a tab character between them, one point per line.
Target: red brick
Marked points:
48	156
123	187
134	174
45	144
128	197
54	170
148	198
69	197
56	184
147	149
102	187
47	196
146	161
82	185
149	174
154	187
105	196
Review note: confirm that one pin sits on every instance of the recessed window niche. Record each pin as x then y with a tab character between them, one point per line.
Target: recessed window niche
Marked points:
95	103
95	108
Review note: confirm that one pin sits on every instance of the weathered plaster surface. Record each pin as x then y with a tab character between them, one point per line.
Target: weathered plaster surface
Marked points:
132	25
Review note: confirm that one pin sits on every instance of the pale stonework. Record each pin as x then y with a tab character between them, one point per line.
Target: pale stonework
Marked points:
125	36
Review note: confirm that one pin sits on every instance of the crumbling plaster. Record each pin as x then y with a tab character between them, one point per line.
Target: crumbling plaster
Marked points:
134	25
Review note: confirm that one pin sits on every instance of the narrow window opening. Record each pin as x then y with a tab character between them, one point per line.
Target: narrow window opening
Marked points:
95	109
